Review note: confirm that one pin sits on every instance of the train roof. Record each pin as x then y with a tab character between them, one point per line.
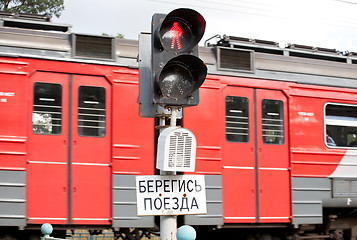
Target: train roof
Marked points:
34	36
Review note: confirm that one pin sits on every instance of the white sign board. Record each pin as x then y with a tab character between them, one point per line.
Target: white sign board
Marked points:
170	195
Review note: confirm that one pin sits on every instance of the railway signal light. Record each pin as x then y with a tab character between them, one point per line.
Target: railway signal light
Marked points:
177	72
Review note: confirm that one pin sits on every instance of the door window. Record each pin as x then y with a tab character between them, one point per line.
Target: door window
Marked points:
237	119
91	111
47	109
272	121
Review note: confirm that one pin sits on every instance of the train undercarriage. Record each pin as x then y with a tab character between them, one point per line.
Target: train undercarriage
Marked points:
339	224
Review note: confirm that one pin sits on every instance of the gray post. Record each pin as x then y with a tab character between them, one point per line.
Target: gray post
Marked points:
168	224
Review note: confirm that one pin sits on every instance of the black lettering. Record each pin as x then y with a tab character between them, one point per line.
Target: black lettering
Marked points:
150	185
194	203
182	205
176	203
142	187
166	203
158	184
150	201
158	203
182	186
198	188
166	185
172	184
188	188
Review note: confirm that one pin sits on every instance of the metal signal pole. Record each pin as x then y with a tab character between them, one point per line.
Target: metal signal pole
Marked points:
168	223
171	81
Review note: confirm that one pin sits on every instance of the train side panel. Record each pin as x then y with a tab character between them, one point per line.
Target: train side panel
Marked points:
204	121
311	120
13	100
57	131
251	127
320	177
310	156
132	149
13	141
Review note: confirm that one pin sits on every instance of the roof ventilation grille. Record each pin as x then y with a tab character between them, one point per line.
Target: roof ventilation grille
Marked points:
94	47
234	59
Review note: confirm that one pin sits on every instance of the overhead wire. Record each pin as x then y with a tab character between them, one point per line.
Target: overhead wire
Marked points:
273	10
345	1
305	16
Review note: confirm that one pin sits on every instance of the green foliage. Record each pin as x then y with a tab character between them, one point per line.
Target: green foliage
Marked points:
119	35
50	7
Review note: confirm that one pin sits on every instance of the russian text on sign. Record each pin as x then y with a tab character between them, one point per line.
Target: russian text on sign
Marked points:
170	195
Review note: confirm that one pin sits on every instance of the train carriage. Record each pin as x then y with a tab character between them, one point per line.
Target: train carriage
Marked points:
276	133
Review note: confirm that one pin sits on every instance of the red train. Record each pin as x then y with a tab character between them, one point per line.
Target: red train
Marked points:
276	133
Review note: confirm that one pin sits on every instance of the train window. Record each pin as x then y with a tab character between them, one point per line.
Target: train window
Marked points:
272	121
237	119
91	111
341	125
47	109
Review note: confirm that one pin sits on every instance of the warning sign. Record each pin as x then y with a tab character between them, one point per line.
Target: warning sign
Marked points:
170	195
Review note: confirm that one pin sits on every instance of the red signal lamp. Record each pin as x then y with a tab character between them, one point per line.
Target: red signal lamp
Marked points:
181	30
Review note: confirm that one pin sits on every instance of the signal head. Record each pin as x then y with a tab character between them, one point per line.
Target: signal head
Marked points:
177	71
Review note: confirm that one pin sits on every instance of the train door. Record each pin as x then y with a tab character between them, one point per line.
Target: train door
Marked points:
90	150
238	156
69	149
47	169
256	158
273	163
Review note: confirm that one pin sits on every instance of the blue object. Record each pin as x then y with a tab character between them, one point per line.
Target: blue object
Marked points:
46	229
186	232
